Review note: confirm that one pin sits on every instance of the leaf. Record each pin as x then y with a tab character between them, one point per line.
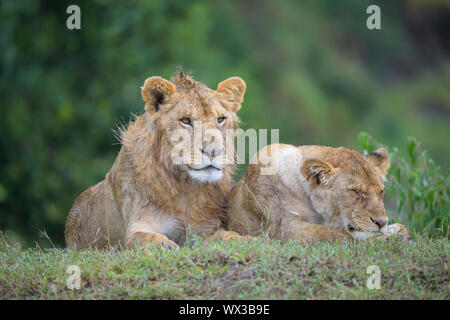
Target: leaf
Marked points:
3	193
364	140
411	147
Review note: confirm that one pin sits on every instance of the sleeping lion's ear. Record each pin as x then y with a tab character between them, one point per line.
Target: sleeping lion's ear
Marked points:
155	92
317	171
380	159
231	93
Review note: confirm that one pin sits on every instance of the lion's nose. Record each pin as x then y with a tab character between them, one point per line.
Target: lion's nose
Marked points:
380	222
211	153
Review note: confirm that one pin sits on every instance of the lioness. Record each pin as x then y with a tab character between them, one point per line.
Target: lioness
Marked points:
315	193
147	196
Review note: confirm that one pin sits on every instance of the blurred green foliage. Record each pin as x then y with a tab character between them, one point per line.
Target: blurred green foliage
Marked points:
312	69
417	191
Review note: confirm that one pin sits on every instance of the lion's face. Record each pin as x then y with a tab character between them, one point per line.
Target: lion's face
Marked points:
348	190
361	202
196	129
194	124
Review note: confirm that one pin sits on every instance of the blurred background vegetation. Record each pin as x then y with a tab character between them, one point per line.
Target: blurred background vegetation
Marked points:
312	69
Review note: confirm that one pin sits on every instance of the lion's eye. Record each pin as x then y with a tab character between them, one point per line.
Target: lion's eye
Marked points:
220	119
186	120
360	193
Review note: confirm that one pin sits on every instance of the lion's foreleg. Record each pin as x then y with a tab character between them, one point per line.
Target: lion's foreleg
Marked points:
397	229
144	234
223	234
314	232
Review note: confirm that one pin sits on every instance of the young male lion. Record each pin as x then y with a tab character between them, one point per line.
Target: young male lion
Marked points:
314	193
146	195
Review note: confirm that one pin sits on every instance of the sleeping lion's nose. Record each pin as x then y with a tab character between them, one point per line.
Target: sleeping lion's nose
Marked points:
380	222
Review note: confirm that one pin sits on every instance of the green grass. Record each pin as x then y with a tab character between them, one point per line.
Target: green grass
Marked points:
231	270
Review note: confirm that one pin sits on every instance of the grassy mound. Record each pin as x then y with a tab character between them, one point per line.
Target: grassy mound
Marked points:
231	270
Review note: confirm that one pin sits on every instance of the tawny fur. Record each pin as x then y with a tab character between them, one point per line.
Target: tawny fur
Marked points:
315	193
147	198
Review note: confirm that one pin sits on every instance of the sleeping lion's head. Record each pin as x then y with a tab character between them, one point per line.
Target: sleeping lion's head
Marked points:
186	125
347	188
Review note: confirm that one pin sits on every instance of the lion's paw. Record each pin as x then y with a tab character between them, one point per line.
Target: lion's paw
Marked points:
233	235
160	241
397	229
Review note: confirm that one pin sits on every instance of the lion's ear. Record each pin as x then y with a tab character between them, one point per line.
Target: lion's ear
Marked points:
155	92
317	171
231	93
380	159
